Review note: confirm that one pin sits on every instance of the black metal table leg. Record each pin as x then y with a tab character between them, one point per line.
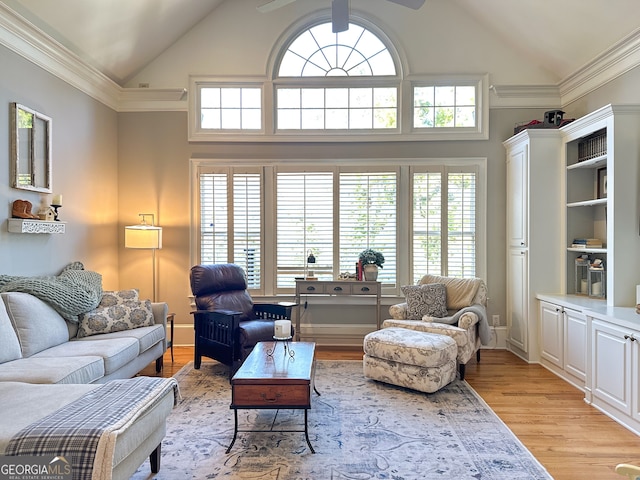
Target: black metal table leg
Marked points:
235	430
306	431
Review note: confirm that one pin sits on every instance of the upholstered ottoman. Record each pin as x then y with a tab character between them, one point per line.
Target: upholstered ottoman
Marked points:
408	358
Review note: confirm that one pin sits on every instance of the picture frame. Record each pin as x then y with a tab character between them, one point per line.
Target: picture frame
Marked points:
601	182
30	149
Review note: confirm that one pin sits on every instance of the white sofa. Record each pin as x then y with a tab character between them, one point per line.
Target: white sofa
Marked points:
37	345
44	363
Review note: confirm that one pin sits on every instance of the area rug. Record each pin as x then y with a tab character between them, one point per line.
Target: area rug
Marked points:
359	428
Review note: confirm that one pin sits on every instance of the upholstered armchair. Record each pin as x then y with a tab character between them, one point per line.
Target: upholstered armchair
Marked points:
462	316
227	323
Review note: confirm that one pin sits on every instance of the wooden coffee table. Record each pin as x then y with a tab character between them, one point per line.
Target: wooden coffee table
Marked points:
272	378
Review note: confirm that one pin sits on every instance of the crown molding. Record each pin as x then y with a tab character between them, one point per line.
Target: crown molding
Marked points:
617	60
28	41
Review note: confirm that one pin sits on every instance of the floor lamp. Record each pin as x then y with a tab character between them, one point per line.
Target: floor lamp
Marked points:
145	236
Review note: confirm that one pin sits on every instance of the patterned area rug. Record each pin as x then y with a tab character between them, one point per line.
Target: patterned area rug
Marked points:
360	429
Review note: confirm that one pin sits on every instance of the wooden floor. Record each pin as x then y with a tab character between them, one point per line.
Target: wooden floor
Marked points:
570	438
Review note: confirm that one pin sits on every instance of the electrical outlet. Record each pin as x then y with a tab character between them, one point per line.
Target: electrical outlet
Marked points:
496	320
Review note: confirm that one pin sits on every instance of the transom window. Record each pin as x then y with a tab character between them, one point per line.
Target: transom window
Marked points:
346	86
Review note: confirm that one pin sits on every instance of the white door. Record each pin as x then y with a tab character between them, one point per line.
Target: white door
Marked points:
517	196
517	299
575	344
611	367
551	333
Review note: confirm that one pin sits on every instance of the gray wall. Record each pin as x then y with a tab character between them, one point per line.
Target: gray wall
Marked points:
84	152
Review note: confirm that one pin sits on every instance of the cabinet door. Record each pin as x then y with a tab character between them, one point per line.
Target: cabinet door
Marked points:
575	344
517	299
611	367
551	333
518	196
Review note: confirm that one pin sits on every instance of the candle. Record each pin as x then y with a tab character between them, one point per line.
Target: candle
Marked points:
57	200
637	294
596	288
583	286
282	329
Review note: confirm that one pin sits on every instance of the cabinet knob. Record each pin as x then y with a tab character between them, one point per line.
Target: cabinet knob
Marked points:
311	289
364	289
630	337
337	289
522	243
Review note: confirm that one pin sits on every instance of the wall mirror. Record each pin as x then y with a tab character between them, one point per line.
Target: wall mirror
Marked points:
30	149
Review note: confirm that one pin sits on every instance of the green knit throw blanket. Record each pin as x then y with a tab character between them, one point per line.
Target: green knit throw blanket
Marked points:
71	293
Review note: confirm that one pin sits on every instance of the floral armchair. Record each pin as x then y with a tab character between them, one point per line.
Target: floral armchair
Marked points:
460	312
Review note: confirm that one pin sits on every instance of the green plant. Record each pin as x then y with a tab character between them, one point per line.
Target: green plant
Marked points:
371	256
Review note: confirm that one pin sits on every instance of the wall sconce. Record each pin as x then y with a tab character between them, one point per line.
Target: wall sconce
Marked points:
145	236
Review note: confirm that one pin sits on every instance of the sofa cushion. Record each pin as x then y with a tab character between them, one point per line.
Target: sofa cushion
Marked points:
424	300
115	318
116	352
9	345
37	324
118	297
53	370
146	337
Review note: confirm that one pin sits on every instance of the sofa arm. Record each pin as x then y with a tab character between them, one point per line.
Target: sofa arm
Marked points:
398	311
468	320
160	311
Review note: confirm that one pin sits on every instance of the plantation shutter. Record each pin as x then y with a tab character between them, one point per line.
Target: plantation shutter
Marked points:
304	224
232	206
247	236
368	219
214	209
444	223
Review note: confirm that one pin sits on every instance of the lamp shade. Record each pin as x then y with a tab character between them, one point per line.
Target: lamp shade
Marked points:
143	236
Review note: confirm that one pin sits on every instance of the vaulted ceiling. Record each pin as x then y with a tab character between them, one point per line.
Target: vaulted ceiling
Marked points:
120	37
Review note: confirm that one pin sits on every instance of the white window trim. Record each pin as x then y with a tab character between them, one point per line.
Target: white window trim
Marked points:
404	274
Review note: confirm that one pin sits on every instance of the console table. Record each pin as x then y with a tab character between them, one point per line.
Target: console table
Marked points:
338	288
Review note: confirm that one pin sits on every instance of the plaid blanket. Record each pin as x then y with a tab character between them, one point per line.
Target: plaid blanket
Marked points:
85	431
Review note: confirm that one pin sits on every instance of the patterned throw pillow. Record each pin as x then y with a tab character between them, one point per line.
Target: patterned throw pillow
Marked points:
429	299
118	297
125	315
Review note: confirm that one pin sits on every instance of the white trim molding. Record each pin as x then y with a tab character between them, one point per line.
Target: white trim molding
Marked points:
28	41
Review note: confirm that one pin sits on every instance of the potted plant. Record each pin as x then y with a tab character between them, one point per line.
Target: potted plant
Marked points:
371	260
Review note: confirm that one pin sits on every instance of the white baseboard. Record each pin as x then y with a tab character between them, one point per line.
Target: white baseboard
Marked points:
339	334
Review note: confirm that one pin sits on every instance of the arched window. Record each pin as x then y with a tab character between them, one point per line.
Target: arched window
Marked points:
336	81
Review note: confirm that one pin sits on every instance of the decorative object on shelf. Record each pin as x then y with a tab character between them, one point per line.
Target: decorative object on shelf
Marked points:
47	214
22	209
30	149
311	259
597	279
592	146
147	237
371	260
582	273
602	182
56	203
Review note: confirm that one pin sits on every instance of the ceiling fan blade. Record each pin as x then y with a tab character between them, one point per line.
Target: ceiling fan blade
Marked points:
415	4
339	15
273	5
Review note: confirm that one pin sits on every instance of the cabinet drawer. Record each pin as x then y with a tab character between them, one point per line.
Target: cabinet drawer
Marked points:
311	288
338	288
364	289
266	396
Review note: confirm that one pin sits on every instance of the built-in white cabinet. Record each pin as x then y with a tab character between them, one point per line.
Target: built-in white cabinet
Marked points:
563	342
614	383
534	173
601	157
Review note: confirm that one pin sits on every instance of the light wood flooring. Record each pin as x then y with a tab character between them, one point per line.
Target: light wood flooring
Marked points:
570	438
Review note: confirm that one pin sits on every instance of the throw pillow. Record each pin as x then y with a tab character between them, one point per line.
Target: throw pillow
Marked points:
116	318
424	300
118	297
